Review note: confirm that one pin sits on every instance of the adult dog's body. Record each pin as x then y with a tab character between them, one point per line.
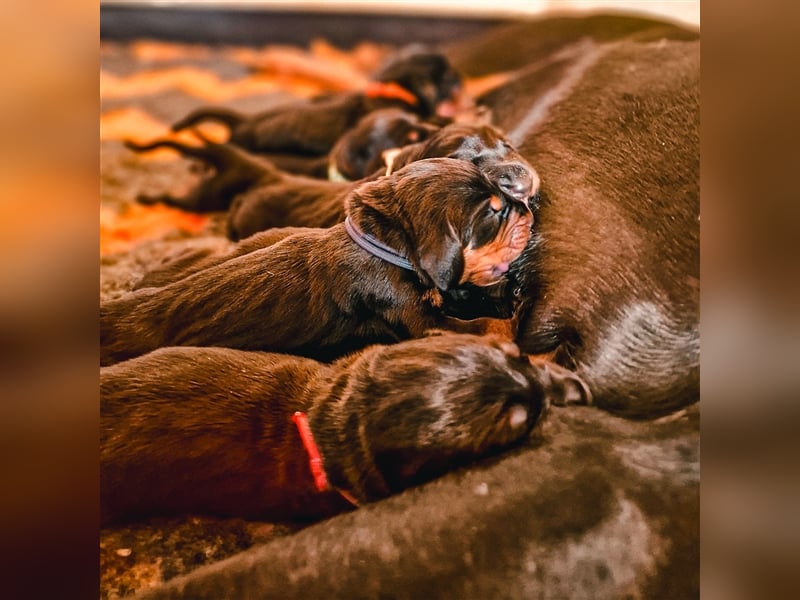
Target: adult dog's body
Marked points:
209	430
420	81
612	275
319	293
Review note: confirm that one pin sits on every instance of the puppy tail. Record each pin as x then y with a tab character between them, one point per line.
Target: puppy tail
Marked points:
227	117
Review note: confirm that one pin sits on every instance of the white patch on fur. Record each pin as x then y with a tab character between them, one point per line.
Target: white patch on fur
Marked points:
517	416
539	111
644	335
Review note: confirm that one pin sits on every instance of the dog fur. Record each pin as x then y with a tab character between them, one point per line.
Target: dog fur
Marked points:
606	507
319	294
357	154
312	127
285	201
611	276
209	430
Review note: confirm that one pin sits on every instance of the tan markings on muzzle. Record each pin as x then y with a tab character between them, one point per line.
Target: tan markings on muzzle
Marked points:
487	264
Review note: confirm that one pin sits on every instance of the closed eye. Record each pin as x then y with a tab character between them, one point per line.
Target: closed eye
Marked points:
499	207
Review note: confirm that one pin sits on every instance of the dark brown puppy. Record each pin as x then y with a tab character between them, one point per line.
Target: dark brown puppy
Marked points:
358	153
189	430
320	293
285	201
420	81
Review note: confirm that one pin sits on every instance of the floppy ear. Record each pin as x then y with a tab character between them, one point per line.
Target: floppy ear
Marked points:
441	259
376	195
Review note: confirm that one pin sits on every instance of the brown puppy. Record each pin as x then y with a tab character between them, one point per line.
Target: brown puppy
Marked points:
321	293
416	80
358	153
266	197
284	201
210	430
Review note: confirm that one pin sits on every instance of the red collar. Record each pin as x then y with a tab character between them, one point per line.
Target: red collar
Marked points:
314	459
391	91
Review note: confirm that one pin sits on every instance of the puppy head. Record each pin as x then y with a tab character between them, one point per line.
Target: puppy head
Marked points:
429	76
359	152
485	147
444	400
454	225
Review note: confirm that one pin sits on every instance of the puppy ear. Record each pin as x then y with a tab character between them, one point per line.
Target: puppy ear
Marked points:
375	195
441	258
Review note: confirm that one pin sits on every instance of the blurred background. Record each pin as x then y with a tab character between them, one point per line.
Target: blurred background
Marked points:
685	11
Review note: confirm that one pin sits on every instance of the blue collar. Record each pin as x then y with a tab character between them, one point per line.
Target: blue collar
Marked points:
376	247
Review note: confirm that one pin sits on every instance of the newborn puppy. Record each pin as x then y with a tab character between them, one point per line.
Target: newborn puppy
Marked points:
419	81
210	430
358	153
280	200
266	197
430	227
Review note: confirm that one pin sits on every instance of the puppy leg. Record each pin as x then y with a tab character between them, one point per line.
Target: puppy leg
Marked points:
190	262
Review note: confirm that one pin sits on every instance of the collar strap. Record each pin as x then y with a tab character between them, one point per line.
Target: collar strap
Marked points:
375	247
315	459
390	91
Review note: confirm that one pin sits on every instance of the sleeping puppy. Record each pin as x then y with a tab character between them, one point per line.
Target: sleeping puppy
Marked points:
417	80
280	200
432	226
266	197
358	153
188	430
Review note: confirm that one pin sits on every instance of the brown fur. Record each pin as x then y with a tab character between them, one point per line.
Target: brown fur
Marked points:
359	152
318	293
611	277
355	155
312	127
279	199
285	200
209	430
